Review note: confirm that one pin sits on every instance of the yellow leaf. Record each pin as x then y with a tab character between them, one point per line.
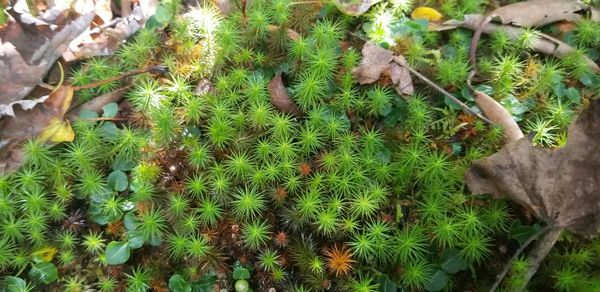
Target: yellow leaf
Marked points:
426	13
57	131
45	254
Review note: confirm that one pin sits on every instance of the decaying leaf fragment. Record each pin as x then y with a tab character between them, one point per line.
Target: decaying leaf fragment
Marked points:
354	7
499	116
540	12
45	121
29	47
378	61
543	43
281	99
560	187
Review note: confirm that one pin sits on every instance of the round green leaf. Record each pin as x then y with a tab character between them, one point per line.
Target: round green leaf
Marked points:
117	252
110	110
242	286
178	284
117	180
44	272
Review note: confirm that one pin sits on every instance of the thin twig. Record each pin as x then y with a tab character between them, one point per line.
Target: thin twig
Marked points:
447	94
539	253
520	250
473	49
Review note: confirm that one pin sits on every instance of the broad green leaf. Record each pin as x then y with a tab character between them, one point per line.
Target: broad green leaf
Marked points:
386	284
110	110
123	164
44	272
520	232
178	284
129	221
117	252
117	180
438	281
163	14
88	114
13	284
452	262
135	239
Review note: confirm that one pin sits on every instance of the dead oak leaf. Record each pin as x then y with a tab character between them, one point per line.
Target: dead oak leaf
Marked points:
376	61
560	187
540	12
30	46
543	43
45	121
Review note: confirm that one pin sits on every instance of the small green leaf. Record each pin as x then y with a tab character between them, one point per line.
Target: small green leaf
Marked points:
13	284
117	180
573	95
452	262
123	164
109	130
44	272
129	221
117	252
135	239
163	14
178	284
438	281
88	114
521	233
110	110
386	284
241	273
242	286
205	284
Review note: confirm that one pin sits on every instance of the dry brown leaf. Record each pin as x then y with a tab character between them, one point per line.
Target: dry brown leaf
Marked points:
354	7
104	40
30	46
540	12
559	186
280	98
376	61
499	116
401	76
45	120
543	43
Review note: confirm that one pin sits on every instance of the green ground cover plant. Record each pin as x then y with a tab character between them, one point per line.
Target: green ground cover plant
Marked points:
189	189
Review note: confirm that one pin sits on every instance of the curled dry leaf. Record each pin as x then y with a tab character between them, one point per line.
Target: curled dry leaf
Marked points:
559	186
540	12
44	121
543	43
30	46
281	99
378	61
104	40
499	116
